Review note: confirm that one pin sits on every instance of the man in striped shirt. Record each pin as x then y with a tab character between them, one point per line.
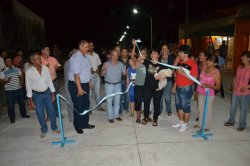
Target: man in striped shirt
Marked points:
11	78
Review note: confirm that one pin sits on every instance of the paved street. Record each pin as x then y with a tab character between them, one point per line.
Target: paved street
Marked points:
126	143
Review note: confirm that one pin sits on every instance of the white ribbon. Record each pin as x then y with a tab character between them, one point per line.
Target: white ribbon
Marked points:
105	98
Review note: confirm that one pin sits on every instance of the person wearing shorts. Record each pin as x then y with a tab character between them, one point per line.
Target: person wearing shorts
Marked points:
184	87
131	78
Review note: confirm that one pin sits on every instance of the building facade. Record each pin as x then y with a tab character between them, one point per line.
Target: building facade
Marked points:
231	25
20	28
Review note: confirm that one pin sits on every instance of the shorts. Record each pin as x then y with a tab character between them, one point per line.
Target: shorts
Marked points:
184	97
131	98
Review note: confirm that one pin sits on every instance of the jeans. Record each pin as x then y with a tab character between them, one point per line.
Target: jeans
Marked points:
124	99
184	97
12	96
80	103
148	93
95	79
167	95
44	100
113	102
244	104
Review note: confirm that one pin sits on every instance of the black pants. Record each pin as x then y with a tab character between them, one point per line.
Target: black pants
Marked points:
12	96
80	103
138	97
148	93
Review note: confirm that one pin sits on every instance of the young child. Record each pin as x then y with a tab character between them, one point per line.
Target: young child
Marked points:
131	78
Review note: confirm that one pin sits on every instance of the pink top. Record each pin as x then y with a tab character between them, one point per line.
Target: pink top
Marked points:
207	79
241	79
52	64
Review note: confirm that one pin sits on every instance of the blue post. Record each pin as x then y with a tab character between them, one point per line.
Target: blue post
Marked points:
63	139
201	133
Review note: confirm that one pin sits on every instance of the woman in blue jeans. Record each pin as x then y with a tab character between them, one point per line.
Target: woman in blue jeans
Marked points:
241	92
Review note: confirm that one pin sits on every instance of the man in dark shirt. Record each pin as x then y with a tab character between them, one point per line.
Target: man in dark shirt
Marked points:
124	98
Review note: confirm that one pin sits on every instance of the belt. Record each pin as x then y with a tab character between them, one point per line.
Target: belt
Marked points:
39	92
112	83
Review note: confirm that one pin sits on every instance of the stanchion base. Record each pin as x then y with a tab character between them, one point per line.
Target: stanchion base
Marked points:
202	135
63	142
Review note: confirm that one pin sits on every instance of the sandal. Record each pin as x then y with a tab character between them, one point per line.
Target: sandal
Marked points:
144	121
138	121
155	123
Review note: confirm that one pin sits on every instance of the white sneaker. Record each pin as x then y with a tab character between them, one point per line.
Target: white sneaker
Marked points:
183	128
177	125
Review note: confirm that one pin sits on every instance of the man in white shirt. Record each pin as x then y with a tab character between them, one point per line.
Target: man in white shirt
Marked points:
95	68
40	91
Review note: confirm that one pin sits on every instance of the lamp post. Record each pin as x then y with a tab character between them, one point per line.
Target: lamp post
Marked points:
135	11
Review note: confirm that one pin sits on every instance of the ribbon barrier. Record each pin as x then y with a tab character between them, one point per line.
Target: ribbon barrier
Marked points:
63	140
201	133
105	98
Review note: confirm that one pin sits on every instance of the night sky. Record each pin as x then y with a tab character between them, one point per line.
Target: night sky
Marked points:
104	21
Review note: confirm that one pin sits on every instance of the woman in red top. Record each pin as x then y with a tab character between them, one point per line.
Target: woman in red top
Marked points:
184	87
241	92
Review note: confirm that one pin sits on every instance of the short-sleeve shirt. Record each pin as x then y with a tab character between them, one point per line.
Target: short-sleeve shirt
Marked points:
51	63
94	60
152	68
79	64
114	72
190	65
140	75
14	73
241	79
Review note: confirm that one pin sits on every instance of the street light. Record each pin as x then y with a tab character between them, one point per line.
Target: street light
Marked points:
135	11
125	33
127	27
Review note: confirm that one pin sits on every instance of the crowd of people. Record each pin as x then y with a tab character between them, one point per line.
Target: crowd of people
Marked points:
153	84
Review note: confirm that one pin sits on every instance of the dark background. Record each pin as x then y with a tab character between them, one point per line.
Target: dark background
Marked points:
104	21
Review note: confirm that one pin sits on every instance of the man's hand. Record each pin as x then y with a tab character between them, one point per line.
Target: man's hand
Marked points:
243	89
32	104
105	66
81	92
53	97
8	80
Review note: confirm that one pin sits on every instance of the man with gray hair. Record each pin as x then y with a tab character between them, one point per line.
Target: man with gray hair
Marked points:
79	86
41	93
113	70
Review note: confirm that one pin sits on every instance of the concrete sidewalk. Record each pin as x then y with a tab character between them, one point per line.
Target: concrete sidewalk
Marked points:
126	143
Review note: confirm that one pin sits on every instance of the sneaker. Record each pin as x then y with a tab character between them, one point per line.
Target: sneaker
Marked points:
43	135
183	128
177	125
